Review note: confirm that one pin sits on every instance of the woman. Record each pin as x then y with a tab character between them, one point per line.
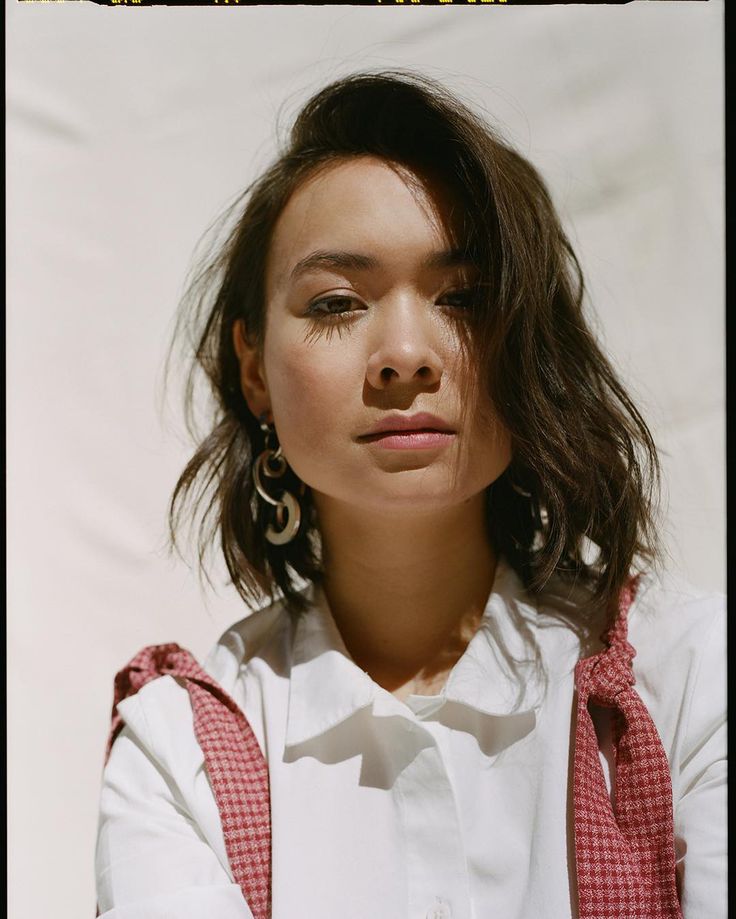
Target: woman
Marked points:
422	459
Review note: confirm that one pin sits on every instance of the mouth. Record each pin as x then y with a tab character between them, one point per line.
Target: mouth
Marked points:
409	432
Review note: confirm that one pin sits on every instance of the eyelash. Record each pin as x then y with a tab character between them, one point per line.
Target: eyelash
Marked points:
340	315
326	315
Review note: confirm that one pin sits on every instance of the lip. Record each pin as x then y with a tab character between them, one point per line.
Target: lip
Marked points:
409	432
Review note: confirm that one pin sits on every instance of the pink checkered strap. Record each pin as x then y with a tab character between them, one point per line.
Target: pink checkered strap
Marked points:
624	850
625	857
233	758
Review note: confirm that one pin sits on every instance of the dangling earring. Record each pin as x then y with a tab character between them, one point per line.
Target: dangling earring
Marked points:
519	490
516	487
272	463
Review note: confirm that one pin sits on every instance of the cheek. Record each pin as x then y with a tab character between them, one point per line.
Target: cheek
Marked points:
499	443
502	449
488	449
311	389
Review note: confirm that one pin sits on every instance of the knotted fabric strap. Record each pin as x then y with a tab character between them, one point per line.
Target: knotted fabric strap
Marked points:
625	855
624	851
234	762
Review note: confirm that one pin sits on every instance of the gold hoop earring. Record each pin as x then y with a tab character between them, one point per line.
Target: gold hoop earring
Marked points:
272	464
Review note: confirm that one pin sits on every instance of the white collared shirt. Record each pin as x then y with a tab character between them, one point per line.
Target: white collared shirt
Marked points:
452	806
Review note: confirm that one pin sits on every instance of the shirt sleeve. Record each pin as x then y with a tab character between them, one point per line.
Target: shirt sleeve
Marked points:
152	861
700	805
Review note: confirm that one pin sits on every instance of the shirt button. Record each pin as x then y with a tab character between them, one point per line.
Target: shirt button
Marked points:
440	910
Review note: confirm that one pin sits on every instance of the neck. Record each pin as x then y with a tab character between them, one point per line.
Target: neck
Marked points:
407	591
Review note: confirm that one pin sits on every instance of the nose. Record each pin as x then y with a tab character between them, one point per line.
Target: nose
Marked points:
404	350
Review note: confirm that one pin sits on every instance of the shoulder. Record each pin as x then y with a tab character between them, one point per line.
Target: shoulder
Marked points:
661	595
160	713
672	624
264	632
679	634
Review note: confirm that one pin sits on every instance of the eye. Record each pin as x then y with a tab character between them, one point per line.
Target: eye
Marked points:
334	306
460	299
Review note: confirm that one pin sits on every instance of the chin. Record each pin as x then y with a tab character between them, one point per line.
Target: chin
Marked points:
420	490
419	504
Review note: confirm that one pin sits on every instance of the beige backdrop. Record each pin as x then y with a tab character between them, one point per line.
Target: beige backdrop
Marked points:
128	130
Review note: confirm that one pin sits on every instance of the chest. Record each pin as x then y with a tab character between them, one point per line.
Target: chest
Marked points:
446	814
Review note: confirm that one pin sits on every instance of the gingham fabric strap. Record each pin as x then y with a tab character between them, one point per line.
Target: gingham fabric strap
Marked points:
233	758
625	853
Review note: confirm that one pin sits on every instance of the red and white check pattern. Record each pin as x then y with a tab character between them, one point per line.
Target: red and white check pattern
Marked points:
235	764
625	852
625	858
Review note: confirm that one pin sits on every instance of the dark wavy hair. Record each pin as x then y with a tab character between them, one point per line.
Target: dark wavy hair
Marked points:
579	497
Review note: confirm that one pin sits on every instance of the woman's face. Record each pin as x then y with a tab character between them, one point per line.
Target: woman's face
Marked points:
362	366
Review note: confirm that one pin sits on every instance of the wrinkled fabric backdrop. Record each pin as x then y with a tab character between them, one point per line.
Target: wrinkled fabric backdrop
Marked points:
128	132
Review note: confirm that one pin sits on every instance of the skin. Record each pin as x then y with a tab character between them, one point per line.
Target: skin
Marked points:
408	563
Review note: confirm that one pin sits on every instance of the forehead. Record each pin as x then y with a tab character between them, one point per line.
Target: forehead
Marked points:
365	205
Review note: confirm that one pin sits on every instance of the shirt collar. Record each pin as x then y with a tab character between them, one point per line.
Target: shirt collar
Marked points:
500	672
326	685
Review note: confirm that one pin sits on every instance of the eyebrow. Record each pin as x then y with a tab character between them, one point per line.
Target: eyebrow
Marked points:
355	261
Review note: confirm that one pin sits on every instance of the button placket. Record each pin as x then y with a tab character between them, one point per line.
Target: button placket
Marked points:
435	851
440	910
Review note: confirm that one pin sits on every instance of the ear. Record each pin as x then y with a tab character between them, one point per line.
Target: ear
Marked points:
252	377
